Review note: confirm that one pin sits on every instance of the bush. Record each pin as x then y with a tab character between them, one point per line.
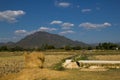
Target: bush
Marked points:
80	57
58	66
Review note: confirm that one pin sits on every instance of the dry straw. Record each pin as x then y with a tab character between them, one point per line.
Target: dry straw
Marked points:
34	60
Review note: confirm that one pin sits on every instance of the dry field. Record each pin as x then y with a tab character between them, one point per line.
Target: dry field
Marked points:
75	74
15	64
53	59
11	64
105	57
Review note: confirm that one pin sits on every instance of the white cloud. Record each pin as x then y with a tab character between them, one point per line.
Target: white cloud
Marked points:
86	10
63	4
25	32
67	32
56	22
78	6
21	32
67	25
88	25
10	16
107	24
97	8
46	29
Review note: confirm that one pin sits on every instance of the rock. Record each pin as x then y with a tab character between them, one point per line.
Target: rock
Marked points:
70	65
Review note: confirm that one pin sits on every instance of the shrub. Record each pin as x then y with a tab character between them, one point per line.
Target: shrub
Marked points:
58	66
80	57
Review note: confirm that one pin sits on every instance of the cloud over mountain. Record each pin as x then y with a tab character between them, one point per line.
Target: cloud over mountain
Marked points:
67	32
46	29
67	25
20	31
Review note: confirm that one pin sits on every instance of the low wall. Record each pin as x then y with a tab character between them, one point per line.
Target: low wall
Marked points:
89	63
106	64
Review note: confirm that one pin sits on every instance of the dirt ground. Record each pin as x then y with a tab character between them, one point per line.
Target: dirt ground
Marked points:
74	74
48	74
35	74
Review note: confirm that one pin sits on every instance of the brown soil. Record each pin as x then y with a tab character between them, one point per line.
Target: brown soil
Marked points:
35	74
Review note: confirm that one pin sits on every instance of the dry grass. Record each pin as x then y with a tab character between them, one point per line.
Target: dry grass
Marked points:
34	59
83	75
35	74
11	64
14	64
105	57
75	74
53	59
8	54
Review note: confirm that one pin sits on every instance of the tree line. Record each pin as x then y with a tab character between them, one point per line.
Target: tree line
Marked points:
108	46
100	46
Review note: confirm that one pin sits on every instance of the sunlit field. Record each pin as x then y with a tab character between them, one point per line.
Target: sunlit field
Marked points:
12	64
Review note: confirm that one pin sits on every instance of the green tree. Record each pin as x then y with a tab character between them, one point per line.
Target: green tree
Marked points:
67	47
76	48
89	48
16	48
107	46
3	48
46	46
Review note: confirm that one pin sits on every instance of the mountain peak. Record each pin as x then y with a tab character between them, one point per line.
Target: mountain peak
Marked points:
40	38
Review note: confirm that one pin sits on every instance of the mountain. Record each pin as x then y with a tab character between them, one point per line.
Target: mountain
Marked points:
2	44
40	38
9	44
118	43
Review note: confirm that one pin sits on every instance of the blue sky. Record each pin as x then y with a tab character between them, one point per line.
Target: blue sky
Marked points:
90	21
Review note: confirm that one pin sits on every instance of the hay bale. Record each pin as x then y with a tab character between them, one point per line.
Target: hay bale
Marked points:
34	60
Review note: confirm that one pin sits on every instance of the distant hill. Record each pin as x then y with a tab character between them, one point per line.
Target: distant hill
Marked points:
1	44
40	38
9	44
118	43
